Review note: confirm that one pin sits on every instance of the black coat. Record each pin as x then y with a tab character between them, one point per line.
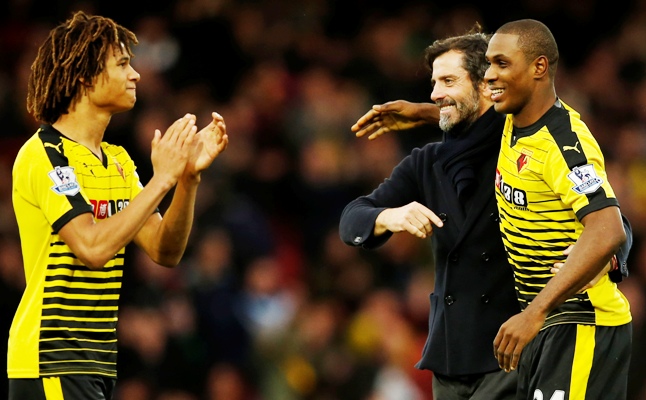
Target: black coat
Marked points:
474	286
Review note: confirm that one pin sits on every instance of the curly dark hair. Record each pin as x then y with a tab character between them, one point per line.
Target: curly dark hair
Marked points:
74	51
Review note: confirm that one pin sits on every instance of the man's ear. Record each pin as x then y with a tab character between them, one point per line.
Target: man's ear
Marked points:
541	67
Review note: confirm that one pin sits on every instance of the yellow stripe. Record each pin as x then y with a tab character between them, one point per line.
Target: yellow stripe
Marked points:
78	340
61	318
78	329
53	389
80	308
583	355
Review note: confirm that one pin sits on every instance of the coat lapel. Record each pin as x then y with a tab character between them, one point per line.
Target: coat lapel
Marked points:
450	197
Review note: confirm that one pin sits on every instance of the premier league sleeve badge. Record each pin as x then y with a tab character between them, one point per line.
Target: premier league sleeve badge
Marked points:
585	179
64	181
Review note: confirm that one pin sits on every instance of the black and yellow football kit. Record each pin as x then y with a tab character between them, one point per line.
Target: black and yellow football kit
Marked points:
66	320
549	176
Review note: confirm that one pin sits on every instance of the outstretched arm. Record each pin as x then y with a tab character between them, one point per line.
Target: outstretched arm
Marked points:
395	115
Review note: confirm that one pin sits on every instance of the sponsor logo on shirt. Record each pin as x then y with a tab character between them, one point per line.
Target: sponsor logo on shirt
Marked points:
517	197
107	208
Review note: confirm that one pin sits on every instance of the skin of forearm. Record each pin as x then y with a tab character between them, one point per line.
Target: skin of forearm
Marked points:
172	234
97	243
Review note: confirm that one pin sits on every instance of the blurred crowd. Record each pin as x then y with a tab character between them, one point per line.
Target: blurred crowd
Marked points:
268	303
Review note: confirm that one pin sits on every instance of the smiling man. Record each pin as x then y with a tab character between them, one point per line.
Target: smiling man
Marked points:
79	202
553	191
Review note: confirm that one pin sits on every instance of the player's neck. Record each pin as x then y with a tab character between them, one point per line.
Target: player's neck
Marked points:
539	104
84	126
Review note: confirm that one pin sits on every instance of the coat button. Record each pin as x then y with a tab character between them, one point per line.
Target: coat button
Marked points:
485	256
454	257
484	299
449	300
442	216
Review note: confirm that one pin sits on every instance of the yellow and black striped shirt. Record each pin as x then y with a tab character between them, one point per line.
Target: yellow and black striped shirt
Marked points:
66	320
549	176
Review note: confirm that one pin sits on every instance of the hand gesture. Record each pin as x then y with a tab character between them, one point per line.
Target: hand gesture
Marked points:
395	115
559	265
413	218
170	152
209	143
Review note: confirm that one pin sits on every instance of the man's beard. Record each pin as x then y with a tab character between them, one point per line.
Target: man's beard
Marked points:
467	114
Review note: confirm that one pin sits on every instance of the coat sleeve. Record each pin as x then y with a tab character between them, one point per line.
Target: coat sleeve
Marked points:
358	217
623	253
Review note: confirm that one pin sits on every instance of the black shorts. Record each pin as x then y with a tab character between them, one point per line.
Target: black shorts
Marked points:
575	362
64	387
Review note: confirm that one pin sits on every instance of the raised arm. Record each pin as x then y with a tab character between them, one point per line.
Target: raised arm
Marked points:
164	240
97	243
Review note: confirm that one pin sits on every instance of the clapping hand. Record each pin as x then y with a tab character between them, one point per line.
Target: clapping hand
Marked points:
209	142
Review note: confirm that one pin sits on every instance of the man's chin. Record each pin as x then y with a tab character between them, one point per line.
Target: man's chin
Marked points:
446	124
499	107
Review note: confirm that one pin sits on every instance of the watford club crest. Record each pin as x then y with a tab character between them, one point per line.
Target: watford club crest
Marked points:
116	164
523	159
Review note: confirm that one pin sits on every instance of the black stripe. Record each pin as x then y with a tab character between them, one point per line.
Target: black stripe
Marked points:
77	324
57	370
89	335
72	344
597	201
506	215
563	135
561	130
73	290
507	235
83	267
78	355
68	278
554	249
524	282
48	135
75	313
78	302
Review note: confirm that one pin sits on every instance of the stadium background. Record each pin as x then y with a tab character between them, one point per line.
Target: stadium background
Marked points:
268	303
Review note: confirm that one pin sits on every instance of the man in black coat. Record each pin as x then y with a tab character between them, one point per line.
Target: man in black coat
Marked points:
449	184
